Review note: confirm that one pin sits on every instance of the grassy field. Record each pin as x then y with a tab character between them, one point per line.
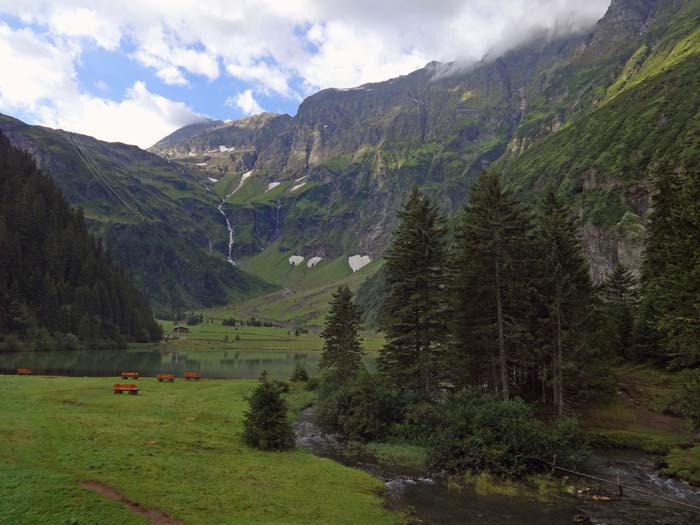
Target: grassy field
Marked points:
306	291
174	447
214	336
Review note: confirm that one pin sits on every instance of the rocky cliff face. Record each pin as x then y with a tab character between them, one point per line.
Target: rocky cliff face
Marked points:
342	165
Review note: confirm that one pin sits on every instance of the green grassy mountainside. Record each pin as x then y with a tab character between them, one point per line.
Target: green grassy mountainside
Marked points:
593	113
155	218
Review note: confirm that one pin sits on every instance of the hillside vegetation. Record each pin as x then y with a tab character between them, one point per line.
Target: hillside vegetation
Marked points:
58	287
157	219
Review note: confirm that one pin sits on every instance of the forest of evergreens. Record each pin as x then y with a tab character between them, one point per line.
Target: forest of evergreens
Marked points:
58	287
496	328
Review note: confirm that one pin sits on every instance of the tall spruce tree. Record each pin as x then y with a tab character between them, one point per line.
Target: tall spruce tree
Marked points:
489	286
565	285
265	425
620	293
341	358
671	270
414	309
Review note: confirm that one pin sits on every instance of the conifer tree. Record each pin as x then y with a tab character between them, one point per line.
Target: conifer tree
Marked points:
565	284
671	269
488	286
342	353
265	425
621	297
414	309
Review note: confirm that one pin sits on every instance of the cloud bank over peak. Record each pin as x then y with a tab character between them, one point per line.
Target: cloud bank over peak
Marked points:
267	53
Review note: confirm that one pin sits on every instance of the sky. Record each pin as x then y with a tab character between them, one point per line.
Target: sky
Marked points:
133	71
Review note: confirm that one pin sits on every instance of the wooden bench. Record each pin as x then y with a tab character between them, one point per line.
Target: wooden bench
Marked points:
130	375
24	371
193	375
130	388
165	377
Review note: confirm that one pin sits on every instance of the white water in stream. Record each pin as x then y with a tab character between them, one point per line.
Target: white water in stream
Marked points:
220	207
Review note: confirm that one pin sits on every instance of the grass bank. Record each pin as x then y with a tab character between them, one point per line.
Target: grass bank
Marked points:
643	415
215	336
174	447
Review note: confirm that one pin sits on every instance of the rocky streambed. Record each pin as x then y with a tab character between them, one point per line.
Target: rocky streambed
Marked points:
431	499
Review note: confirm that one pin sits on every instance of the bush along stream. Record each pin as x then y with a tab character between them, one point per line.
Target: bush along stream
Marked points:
485	357
440	497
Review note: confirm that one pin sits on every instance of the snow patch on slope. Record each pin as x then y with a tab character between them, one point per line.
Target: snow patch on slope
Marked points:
273	185
357	262
224	149
313	262
296	260
297	186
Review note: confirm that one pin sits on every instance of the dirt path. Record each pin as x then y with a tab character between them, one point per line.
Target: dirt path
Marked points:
156	516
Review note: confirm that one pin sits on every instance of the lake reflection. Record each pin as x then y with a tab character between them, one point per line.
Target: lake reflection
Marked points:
238	364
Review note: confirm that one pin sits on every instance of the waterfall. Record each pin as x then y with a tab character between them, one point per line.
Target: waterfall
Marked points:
220	207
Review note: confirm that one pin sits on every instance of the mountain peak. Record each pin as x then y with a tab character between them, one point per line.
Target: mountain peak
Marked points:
624	18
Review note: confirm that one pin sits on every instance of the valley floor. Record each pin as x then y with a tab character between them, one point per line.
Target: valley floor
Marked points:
173	452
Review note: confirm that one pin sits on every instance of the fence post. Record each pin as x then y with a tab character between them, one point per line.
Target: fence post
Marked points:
619	486
554	463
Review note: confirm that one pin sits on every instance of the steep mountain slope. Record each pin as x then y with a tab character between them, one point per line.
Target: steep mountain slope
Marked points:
646	122
156	218
55	280
327	182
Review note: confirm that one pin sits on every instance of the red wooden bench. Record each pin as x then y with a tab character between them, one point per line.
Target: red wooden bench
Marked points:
24	371
130	375
193	375
130	388
165	377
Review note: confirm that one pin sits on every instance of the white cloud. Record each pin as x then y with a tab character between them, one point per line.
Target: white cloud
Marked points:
34	71
271	46
325	44
245	102
268	78
141	118
43	86
83	22
171	75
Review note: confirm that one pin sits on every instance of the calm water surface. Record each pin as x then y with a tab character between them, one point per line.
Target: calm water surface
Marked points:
231	364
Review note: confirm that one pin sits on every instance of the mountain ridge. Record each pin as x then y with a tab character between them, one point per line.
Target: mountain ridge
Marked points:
366	145
157	219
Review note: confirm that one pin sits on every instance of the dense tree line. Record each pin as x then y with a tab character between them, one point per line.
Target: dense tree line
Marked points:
508	307
58	288
478	322
669	325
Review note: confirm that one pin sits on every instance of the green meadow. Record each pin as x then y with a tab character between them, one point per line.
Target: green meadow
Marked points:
175	447
215	336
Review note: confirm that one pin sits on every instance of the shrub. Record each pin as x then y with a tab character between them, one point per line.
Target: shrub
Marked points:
265	426
299	374
313	384
478	432
364	409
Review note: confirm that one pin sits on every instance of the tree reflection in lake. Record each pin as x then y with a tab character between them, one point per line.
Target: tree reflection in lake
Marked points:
241	364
